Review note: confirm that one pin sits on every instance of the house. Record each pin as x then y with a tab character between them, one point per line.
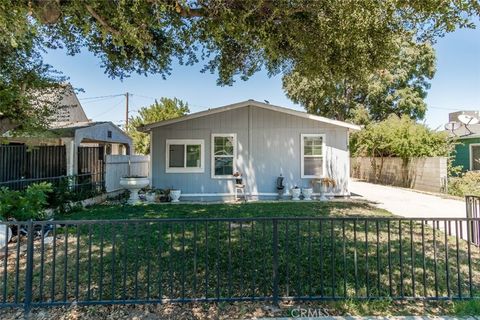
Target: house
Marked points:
464	127
199	153
73	145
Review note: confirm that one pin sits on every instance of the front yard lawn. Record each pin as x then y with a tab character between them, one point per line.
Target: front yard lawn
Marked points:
358	253
240	210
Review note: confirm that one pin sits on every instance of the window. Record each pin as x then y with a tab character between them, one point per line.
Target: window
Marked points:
184	156
475	156
224	152
313	162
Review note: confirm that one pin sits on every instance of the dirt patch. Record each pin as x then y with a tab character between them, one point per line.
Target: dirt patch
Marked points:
237	310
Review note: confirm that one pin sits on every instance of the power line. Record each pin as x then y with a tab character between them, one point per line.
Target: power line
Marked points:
108	96
109	109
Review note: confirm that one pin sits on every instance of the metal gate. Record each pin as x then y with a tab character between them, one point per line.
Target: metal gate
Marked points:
91	167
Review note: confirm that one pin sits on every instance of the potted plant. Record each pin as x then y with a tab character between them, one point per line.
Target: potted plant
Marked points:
133	183
163	195
238	178
326	185
295	192
150	195
175	194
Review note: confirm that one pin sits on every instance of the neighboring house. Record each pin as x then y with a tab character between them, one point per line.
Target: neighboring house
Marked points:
198	153
467	151
70	131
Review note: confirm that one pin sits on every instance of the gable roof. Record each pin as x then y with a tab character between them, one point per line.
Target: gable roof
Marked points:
247	103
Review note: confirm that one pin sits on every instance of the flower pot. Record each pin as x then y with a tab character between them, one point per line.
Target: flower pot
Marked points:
175	195
5	235
295	192
307	193
323	191
134	184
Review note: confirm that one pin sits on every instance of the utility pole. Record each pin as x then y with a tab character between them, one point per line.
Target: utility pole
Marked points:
126	111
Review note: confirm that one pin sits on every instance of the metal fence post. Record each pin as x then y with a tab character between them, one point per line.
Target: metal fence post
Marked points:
29	269
275	261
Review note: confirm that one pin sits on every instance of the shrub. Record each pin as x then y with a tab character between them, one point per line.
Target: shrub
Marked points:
24	205
400	137
467	184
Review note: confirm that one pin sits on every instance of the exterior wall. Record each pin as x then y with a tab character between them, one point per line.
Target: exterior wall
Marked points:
116	167
427	174
462	153
268	144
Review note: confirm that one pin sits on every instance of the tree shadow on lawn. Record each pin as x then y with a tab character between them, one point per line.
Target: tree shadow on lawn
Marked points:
221	259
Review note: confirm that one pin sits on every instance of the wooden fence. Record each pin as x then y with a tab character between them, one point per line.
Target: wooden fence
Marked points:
21	162
427	174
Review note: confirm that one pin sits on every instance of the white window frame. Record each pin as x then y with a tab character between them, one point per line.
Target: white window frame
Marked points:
230	135
302	151
470	154
185	142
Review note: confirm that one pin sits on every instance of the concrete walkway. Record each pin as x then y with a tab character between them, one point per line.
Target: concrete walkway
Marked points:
407	203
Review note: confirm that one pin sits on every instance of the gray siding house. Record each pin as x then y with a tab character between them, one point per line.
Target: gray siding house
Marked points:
199	153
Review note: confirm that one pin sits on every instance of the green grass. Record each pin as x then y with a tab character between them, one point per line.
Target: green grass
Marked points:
172	260
248	210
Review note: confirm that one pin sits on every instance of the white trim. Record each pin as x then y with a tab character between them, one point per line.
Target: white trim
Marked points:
245	104
253	194
212	155
185	142
470	153
302	155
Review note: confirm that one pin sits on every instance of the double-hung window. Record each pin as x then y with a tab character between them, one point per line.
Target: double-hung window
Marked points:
184	156
224	153
313	155
474	156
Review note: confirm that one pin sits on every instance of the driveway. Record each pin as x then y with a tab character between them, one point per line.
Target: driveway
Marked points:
406	203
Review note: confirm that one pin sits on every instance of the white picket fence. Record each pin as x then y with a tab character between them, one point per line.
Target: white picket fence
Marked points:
116	167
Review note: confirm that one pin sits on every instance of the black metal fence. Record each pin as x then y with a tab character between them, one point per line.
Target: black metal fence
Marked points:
244	259
21	162
75	183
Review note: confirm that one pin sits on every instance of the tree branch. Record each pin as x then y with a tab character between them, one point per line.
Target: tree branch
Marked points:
102	21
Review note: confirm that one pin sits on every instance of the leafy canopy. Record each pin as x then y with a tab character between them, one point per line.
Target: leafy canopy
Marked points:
398	89
335	39
238	38
164	109
30	90
399	137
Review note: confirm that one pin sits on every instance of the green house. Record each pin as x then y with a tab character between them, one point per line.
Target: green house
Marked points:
464	127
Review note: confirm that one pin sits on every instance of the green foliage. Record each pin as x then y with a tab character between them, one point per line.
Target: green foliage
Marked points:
27	85
164	110
465	185
24	205
238	38
337	40
397	89
399	137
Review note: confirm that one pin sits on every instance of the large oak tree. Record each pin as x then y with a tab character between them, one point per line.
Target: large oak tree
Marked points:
234	38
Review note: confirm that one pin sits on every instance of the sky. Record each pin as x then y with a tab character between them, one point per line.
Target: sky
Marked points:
456	85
